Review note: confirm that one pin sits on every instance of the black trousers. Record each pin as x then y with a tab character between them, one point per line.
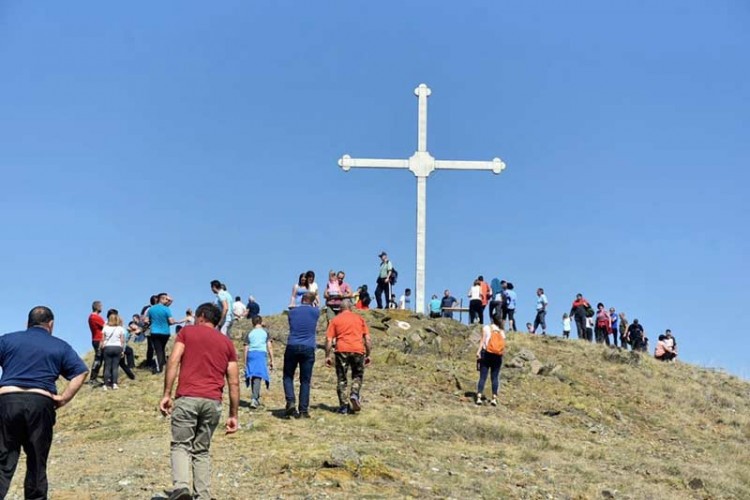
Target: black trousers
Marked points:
540	320
160	351
26	422
475	311
98	360
581	327
149	352
382	288
494	308
602	335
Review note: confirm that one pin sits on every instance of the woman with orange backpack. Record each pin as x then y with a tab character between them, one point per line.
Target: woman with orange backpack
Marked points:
490	358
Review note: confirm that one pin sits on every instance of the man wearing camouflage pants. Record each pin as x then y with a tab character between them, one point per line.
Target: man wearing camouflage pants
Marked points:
352	337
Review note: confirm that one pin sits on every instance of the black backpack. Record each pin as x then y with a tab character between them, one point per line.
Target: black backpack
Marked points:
394	276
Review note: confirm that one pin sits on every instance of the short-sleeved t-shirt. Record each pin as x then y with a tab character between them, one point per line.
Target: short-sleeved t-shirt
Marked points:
34	359
203	366
541	302
303	322
113	336
159	316
436	305
221	297
96	323
348	329
257	340
448	301
385	268
510	296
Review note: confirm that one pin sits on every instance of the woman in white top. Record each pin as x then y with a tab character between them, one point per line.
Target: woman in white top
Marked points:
312	287
475	303
113	342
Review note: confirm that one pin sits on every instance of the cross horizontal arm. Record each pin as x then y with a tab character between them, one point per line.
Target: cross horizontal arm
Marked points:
346	162
496	165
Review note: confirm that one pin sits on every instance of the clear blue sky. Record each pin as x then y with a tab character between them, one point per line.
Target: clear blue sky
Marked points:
154	146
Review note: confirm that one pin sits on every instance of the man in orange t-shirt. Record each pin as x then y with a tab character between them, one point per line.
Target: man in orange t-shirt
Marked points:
353	346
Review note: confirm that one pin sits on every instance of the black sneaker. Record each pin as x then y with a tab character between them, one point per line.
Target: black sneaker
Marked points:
343	410
290	410
180	494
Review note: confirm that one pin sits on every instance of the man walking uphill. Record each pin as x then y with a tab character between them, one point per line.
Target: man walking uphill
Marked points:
300	351
32	361
204	359
353	347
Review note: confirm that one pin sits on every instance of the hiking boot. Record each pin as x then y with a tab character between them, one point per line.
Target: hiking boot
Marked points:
343	410
479	399
494	401
180	494
305	414
354	400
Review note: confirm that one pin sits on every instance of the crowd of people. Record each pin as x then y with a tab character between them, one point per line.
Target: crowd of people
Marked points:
206	360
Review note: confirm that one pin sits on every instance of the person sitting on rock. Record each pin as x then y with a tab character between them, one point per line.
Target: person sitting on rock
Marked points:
490	358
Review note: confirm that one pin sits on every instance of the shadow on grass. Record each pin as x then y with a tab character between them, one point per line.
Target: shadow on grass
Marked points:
325	407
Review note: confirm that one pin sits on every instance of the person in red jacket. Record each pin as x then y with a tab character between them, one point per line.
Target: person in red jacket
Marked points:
578	313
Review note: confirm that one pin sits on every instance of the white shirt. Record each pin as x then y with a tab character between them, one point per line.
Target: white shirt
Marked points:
239	310
405	302
475	293
566	324
113	336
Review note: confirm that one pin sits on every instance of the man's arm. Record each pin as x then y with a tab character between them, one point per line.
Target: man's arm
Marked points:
169	377
233	380
368	349
70	391
329	346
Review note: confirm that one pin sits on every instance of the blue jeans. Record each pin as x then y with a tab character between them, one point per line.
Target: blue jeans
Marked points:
303	356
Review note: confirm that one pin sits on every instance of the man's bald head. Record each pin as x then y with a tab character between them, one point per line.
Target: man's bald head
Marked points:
346	305
41	317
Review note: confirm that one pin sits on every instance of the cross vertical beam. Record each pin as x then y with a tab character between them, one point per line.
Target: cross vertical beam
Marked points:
421	164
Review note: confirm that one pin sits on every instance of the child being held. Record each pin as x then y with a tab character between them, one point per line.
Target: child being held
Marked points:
258	357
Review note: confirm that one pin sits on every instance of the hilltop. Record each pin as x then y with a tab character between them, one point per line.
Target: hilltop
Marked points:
576	421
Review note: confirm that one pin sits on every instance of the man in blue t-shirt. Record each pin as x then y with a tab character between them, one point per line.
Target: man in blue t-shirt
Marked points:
300	351
160	318
32	361
448	300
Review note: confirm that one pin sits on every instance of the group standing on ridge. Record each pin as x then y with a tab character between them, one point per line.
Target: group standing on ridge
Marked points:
204	356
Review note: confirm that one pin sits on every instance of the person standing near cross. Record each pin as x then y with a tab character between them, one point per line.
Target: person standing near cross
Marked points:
421	164
384	281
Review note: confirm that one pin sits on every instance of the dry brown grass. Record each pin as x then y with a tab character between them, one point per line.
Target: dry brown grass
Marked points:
601	424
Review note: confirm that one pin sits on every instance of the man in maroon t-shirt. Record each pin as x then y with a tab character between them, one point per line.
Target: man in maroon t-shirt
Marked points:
96	325
204	359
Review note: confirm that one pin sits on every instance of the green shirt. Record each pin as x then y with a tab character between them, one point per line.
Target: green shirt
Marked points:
385	268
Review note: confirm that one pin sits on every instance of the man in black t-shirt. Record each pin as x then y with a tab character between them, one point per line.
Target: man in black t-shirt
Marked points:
636	336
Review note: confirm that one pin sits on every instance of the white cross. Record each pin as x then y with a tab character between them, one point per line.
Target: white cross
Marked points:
422	164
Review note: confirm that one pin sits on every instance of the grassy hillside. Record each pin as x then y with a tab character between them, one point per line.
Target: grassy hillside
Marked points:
591	423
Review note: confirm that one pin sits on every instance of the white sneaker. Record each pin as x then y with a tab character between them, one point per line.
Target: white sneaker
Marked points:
493	402
479	399
114	387
104	387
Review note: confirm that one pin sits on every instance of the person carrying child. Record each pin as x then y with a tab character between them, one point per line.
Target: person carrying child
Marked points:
258	357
